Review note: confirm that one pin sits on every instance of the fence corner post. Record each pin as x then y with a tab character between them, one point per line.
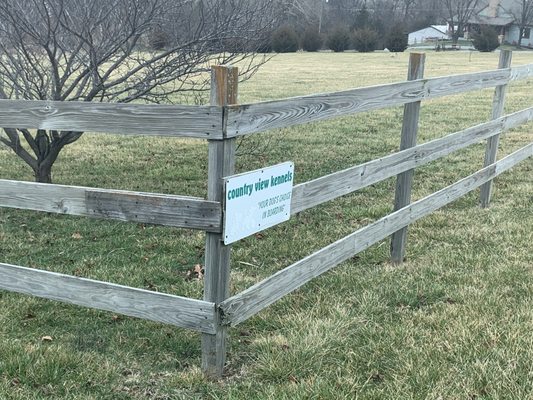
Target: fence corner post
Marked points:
404	181
493	142
224	89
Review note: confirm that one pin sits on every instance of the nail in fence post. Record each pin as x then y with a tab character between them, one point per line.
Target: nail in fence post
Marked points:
404	181
498	105
224	87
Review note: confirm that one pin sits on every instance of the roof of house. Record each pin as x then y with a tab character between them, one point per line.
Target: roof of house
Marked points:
496	12
441	28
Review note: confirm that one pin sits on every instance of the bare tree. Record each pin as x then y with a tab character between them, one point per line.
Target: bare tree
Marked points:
426	12
343	12
459	12
103	50
407	8
303	12
522	12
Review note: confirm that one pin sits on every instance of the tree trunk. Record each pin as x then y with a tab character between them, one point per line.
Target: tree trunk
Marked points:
43	174
457	33
48	148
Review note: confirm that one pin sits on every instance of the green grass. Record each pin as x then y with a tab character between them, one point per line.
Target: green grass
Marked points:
453	322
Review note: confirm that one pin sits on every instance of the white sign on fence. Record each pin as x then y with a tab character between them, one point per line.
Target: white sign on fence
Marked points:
257	200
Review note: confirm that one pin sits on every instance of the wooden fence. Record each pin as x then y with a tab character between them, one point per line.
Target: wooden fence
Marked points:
220	123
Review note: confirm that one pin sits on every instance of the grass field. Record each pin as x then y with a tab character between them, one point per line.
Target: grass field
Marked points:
453	322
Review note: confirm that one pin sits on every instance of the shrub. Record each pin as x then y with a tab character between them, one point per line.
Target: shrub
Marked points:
396	40
284	40
486	40
339	39
311	40
365	40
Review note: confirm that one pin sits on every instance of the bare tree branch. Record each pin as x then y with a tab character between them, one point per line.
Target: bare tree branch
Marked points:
104	50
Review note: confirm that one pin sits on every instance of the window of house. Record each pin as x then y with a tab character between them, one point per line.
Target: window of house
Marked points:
527	33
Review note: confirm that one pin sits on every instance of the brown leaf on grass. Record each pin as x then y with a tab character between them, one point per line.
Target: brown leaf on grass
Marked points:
29	315
293	379
46	338
197	272
76	236
259	236
150	285
376	377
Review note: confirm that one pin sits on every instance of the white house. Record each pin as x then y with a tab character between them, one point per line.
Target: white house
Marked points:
502	14
433	32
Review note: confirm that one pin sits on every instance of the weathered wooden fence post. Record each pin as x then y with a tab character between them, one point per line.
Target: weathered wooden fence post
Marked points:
224	87
493	142
404	181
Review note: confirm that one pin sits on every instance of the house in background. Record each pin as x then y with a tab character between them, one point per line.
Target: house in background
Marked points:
502	15
431	33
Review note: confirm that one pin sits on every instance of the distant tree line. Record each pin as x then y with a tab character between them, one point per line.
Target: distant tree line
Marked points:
366	25
363	25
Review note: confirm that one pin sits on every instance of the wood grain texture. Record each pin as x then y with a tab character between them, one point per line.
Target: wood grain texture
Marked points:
158	209
498	105
253	118
168	309
404	181
522	72
224	91
242	306
310	194
203	122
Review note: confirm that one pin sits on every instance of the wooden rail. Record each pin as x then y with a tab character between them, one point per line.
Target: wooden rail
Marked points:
329	187
204	122
167	210
253	118
179	311
521	72
242	306
207	122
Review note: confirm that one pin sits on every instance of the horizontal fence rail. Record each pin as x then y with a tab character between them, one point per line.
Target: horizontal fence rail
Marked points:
521	72
253	118
329	187
159	209
174	310
242	306
207	122
204	122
